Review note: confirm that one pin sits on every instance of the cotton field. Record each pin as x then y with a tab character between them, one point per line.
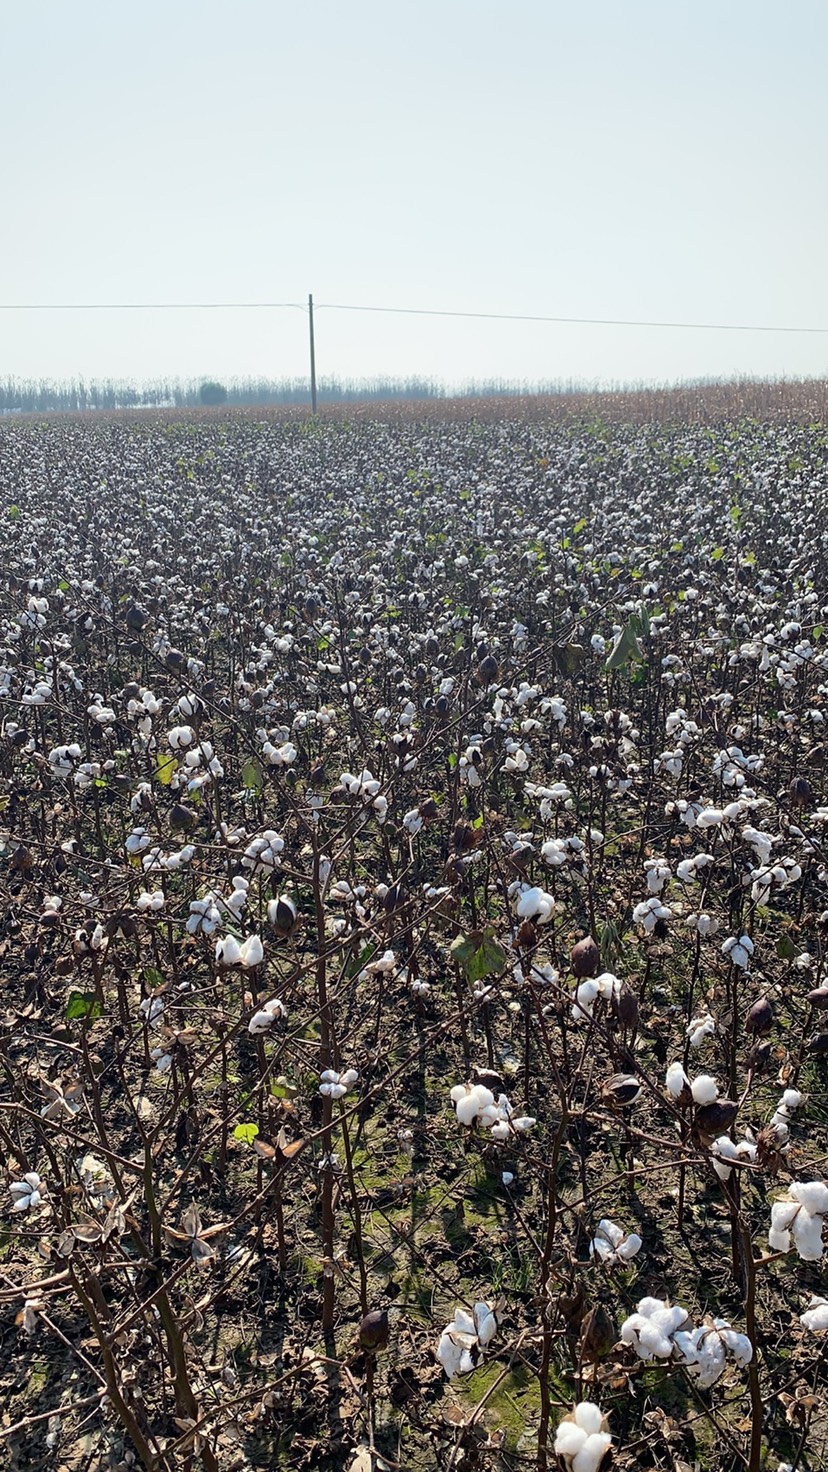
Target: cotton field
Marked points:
415	896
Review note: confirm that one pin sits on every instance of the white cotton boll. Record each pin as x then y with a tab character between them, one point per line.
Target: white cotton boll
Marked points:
251	953
485	1323
592	1453
736	1344
700	1029
523	1122
815	1316
629	1247
589	1417
585	998
791	1099
807	1235
669	1318
783	1213
228	951
467	1108
724	1149
676	1080
704	1089
813	1195
569	1438
535	904
449	1354
652	1343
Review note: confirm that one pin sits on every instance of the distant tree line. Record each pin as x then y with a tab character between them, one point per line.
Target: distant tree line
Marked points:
30	396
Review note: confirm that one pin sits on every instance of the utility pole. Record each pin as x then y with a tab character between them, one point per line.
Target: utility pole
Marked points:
312	355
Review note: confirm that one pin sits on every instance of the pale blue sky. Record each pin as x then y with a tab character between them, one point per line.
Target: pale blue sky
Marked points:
636	159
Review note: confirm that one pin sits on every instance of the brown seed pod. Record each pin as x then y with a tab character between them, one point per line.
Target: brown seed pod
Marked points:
818	997
712	1120
598	1333
626	1006
760	1017
487	669
800	792
818	1043
374	1329
585	958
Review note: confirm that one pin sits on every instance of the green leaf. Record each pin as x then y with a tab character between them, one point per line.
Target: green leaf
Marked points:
625	648
786	949
246	1133
717	554
252	776
12	512
479	954
153	977
735	514
82	1004
164	768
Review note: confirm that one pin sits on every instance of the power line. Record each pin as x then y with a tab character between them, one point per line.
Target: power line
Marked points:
144	306
403	311
578	321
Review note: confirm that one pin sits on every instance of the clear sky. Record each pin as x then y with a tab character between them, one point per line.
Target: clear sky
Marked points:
648	159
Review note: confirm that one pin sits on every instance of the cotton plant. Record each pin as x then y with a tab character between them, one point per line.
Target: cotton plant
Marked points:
700	1029
704	1351
582	1441
649	912
247	954
611	1245
605	987
651	1329
800	1215
28	1193
475	1104
738	949
335	1085
464	1340
815	1317
265	1016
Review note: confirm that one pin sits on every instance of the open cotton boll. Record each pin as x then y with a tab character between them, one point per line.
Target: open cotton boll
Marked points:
650	1331
704	1089
676	1080
611	1244
782	1215
535	904
815	1316
585	998
703	1353
738	1345
251	953
700	1029
807	1235
813	1195
724	1149
791	1100
579	1440
485	1323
